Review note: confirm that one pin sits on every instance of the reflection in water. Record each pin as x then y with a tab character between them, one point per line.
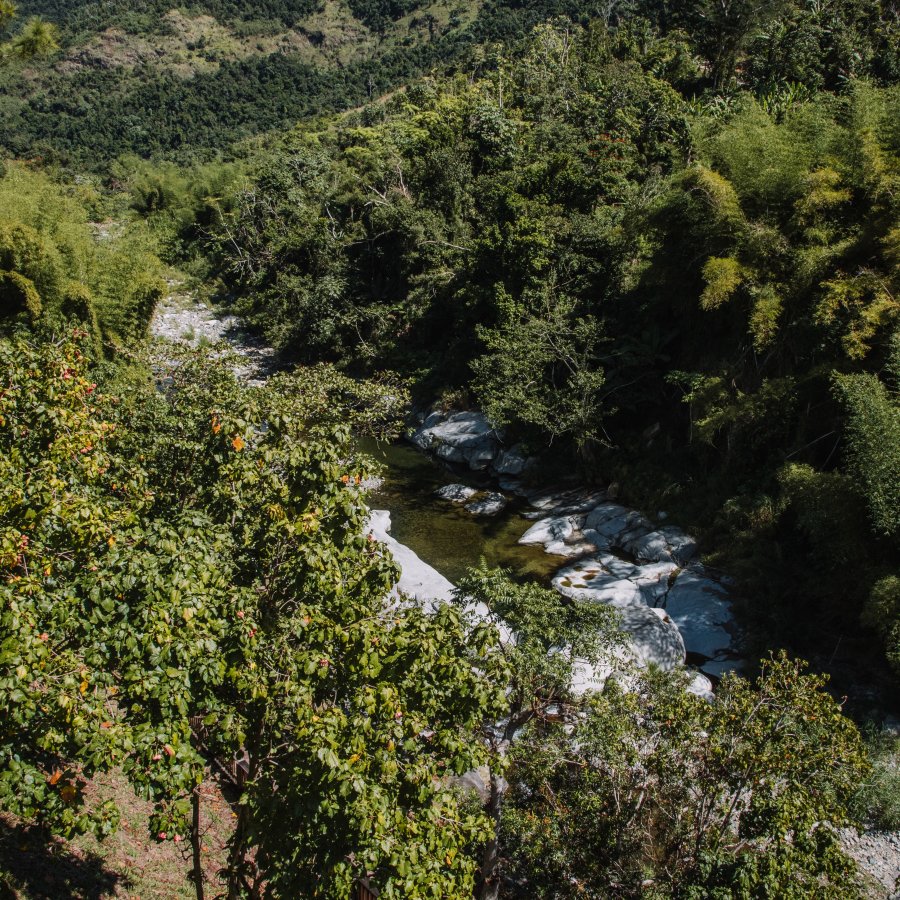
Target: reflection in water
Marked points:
444	535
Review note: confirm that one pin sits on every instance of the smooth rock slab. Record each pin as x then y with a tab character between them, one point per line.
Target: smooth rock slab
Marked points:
682	545
552	530
417	580
654	580
622	528
699	606
603	513
592	583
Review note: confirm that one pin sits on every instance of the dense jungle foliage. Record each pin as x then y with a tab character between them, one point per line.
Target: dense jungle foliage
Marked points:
658	244
175	545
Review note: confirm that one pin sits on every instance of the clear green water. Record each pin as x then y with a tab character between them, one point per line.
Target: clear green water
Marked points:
444	534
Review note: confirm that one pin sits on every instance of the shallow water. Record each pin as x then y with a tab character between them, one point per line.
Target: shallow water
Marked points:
444	534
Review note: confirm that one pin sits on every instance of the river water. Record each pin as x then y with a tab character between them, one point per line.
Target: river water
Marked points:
442	534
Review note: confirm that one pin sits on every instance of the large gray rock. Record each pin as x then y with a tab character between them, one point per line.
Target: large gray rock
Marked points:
512	461
622	528
615	582
653	637
668	544
451	453
683	547
553	530
699	606
481	457
463	437
652	547
605	512
701	686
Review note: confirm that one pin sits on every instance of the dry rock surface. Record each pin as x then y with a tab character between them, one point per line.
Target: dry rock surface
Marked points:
180	319
877	854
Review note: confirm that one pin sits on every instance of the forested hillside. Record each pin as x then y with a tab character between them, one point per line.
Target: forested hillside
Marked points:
191	81
657	244
153	80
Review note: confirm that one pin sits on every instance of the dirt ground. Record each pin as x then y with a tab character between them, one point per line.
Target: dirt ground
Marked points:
127	864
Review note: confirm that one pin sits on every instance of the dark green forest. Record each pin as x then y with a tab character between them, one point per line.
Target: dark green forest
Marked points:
657	244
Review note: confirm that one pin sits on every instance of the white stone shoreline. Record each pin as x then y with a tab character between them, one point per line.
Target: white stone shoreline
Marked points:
671	605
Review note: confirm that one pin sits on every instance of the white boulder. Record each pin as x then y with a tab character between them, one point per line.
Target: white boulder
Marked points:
654	639
463	437
512	461
417	580
456	493
552	530
699	606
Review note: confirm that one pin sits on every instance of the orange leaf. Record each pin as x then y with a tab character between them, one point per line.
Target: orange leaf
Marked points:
238	443
55	777
216	425
345	479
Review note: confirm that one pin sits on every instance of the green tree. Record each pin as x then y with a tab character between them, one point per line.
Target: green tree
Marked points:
873	446
541	369
37	38
658	792
550	647
203	553
7	14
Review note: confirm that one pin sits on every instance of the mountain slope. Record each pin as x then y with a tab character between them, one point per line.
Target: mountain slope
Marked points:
188	83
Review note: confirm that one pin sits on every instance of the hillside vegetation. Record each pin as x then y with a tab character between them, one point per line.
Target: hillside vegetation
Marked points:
658	244
191	81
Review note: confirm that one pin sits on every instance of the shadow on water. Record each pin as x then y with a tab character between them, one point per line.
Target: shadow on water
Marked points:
443	534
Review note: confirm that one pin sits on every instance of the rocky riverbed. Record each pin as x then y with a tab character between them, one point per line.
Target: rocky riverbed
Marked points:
673	607
180	319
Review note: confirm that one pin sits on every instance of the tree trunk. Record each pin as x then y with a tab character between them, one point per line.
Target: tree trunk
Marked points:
490	860
236	856
195	845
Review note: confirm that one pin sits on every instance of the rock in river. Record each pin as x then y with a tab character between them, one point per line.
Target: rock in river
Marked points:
463	437
490	504
455	493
